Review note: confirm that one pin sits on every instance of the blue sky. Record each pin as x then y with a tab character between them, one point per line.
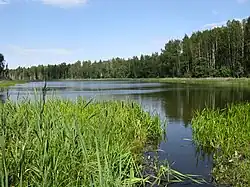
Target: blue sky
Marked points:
53	31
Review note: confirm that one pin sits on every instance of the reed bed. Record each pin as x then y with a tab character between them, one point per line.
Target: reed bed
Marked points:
227	132
219	82
65	143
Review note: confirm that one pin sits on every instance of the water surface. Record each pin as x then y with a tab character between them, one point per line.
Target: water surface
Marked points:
174	102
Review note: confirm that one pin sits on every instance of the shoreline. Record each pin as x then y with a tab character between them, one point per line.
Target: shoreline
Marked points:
216	81
7	83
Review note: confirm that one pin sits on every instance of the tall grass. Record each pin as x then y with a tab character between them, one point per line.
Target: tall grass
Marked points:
66	143
220	82
227	131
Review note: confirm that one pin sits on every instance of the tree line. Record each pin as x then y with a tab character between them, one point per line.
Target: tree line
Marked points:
4	71
218	52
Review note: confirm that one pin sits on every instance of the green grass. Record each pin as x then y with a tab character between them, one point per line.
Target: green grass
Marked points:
219	81
7	83
209	81
227	132
215	81
66	143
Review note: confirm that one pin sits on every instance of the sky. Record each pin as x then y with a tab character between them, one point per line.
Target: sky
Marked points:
45	32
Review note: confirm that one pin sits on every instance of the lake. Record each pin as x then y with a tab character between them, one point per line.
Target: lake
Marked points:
174	102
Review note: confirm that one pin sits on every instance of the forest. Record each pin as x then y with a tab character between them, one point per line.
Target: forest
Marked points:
217	52
3	68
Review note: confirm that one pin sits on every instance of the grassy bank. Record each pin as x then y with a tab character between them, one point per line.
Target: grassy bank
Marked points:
227	132
6	83
212	81
209	81
65	143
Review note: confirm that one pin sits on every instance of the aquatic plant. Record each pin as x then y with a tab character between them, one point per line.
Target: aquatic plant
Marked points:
78	143
227	132
215	82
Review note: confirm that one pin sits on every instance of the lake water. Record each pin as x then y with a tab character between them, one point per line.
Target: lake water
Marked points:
174	102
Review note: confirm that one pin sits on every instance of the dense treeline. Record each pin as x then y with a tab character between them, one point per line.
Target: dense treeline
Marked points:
3	68
218	52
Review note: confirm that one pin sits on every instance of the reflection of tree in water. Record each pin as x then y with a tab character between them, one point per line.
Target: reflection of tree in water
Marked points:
2	95
2	98
181	103
182	100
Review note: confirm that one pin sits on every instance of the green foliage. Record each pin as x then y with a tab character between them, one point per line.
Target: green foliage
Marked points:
227	132
1	58
4	70
225	71
201	68
65	143
1	64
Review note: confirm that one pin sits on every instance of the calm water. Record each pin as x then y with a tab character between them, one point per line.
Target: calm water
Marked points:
174	102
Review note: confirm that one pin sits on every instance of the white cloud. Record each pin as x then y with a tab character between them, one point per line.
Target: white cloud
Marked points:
218	24
4	2
213	25
242	1
31	51
17	55
58	3
64	3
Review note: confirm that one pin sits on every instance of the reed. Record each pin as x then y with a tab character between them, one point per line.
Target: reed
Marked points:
227	132
65	143
218	82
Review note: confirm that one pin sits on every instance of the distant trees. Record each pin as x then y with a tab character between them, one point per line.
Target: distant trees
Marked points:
1	63
4	70
217	52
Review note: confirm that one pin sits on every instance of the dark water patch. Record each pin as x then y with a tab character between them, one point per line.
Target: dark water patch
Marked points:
2	98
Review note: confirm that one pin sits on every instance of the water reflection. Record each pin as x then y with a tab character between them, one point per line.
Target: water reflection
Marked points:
2	95
178	105
2	98
181	101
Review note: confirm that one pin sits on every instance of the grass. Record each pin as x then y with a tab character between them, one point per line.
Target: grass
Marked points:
219	81
227	132
7	83
215	81
65	143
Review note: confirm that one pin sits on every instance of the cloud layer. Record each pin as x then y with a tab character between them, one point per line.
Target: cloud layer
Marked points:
47	51
64	3
213	25
4	2
218	24
17	55
242	1
59	3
